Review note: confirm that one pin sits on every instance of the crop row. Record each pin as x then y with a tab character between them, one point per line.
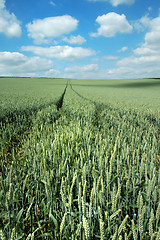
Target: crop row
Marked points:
93	173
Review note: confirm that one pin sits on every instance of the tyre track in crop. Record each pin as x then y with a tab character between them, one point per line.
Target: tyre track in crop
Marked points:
149	120
27	113
16	125
99	107
59	103
11	117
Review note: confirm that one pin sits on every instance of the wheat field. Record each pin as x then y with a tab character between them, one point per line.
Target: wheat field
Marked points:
79	159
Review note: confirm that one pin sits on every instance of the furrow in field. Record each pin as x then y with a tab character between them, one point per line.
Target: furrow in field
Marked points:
16	126
101	106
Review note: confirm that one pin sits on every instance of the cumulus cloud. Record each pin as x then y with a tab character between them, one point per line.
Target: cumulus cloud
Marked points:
140	67
85	71
60	52
110	57
75	40
52	72
111	24
44	30
9	24
152	38
151	46
142	23
123	49
2	4
17	64
145	60
115	3
143	63
85	68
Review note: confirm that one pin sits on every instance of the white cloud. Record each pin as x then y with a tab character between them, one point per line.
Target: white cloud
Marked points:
52	73
149	9
140	67
111	24
142	61
152	38
118	2
92	71
9	24
110	57
44	30
52	3
85	68
142	23
75	40
83	72
17	64
145	61
60	52
123	49
115	3
151	46
2	4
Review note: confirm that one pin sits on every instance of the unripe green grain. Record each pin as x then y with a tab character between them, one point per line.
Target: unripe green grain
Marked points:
29	237
149	189
79	229
158	235
115	214
122	226
62	223
101	223
134	230
140	223
119	189
114	200
115	234
86	228
79	195
100	212
13	234
2	235
151	223
158	213
120	237
83	206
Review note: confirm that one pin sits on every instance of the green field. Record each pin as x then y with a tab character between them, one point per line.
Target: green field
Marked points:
79	159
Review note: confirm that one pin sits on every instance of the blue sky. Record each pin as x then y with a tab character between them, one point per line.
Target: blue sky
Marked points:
85	39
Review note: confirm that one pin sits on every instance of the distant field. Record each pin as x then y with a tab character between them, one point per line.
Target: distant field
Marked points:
129	91
20	88
79	159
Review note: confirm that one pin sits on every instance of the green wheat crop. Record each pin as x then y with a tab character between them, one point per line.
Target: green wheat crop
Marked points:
88	170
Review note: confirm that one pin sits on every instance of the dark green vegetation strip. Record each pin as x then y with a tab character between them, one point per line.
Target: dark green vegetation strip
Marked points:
59	103
141	83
